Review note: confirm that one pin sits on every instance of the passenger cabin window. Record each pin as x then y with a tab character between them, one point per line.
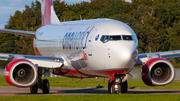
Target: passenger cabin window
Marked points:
127	37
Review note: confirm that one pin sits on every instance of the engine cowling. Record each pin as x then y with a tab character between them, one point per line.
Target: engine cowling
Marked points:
21	73
157	72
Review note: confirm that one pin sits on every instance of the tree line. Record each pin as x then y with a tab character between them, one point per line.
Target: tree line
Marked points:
155	22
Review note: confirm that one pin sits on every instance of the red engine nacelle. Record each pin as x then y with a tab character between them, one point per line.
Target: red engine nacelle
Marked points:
21	73
157	72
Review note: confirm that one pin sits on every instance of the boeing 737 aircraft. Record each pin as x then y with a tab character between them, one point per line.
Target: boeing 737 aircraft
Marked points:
84	49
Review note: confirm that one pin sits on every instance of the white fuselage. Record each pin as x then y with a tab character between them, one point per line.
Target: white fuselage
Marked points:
87	46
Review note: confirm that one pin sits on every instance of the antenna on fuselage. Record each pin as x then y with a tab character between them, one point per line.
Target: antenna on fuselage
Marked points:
80	17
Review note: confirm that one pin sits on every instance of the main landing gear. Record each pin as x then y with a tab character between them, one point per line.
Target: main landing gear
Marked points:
41	84
117	84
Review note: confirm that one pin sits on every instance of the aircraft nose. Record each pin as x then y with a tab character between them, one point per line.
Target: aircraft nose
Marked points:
125	54
123	58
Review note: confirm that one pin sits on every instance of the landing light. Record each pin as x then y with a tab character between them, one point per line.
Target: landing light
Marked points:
57	60
116	86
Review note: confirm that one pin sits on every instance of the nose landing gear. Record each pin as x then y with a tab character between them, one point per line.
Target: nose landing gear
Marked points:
117	84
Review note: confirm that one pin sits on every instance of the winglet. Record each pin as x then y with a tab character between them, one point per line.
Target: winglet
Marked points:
48	15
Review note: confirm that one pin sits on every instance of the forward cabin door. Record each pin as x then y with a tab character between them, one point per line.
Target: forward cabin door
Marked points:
89	43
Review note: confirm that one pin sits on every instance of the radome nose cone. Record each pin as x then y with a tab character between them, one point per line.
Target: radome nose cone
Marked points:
121	56
126	55
126	58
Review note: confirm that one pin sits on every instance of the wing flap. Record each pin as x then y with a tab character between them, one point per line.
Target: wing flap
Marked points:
39	61
3	58
17	32
46	64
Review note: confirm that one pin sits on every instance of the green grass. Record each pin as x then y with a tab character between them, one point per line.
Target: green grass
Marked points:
2	81
99	82
84	83
139	84
106	97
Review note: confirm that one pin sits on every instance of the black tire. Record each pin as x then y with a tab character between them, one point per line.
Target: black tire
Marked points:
109	87
45	86
112	89
124	87
34	89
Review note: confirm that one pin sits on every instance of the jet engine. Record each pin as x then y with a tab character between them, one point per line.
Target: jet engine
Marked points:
157	72
21	73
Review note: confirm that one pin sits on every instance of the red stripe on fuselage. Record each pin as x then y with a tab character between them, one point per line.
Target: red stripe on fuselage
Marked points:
109	72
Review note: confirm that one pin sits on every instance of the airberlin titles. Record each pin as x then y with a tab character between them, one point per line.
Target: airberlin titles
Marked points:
76	40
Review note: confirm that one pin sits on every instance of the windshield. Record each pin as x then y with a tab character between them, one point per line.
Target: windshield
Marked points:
117	37
106	38
127	37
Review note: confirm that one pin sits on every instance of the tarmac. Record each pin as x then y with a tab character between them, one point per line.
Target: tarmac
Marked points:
15	91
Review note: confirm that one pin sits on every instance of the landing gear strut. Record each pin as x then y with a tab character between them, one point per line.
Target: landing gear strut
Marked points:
41	84
117	85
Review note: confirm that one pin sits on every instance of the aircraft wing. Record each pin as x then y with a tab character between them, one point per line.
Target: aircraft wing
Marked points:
18	32
40	61
143	58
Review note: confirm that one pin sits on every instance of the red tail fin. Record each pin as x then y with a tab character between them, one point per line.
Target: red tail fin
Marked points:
48	15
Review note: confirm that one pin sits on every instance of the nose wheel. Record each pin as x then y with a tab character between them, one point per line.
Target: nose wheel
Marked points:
117	86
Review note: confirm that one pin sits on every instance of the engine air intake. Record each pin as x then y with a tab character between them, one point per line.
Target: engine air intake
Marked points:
160	72
23	74
157	72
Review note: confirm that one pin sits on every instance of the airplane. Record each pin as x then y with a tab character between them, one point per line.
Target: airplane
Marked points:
85	49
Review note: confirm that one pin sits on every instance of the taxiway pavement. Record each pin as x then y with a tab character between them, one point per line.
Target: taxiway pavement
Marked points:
14	91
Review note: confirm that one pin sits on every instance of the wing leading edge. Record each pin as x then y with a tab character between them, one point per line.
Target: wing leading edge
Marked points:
39	61
18	32
143	58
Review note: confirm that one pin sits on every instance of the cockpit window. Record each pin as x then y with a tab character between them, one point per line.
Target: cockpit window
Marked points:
105	38
127	37
117	37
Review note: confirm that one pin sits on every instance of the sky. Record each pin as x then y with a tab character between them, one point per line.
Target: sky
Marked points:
8	7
